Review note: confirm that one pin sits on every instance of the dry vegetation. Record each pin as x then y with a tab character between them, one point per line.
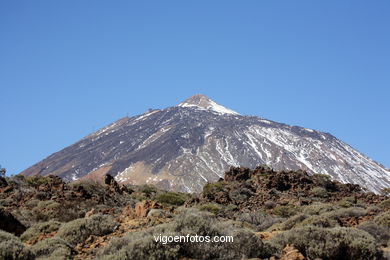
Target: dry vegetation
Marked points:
267	213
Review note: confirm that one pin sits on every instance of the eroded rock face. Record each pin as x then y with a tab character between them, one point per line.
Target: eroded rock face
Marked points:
10	224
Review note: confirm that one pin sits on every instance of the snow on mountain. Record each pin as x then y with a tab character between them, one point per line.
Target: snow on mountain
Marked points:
204	103
183	147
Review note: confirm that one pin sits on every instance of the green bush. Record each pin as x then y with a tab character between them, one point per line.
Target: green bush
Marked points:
211	207
171	198
383	219
380	233
211	188
246	244
141	244
318	208
40	228
334	243
230	207
347	202
78	230
240	195
12	248
385	204
46	210
148	190
52	248
292	222
319	192
333	218
325	181
257	218
37	180
285	211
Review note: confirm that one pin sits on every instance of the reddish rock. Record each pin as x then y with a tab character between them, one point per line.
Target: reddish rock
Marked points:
291	253
142	208
90	213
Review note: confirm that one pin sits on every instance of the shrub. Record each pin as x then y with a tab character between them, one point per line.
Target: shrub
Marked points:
46	210
383	219
141	244
257	218
380	233
385	204
285	211
171	198
148	190
269	204
78	230
318	208
320	221
12	248
52	248
335	243
373	209
37	180
240	195
333	218
347	202
41	195
230	207
325	181
246	244
211	207
41	228
211	188
319	192
292	222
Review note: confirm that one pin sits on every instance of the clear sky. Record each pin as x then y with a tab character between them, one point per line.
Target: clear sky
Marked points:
70	67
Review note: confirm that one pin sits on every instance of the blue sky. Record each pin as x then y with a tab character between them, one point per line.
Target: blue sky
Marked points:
70	67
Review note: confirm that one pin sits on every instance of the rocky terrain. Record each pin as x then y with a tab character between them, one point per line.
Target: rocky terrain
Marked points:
181	148
271	214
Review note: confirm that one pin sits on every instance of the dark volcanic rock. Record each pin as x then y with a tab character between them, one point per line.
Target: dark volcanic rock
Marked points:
10	224
3	182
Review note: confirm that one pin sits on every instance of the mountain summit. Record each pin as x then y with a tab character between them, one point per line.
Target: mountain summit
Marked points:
200	101
183	147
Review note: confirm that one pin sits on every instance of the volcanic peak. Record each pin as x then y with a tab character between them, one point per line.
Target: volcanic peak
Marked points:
202	102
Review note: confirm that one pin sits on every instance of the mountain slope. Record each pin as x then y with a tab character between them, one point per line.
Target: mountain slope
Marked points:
183	147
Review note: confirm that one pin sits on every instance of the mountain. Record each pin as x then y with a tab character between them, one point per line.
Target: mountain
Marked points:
183	147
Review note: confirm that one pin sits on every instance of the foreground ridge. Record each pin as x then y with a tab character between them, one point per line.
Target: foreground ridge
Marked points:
269	214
